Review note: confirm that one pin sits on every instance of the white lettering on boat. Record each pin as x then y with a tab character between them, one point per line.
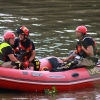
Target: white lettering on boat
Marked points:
36	74
25	73
56	76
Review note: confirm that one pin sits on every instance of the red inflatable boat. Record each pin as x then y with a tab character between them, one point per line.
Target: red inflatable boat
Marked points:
37	81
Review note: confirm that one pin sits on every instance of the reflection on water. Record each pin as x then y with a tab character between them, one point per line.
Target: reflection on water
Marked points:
52	26
86	94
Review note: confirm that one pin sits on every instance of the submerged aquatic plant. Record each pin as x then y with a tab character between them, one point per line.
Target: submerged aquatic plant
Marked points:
48	91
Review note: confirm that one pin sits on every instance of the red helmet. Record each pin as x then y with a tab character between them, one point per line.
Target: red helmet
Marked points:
9	35
81	29
25	30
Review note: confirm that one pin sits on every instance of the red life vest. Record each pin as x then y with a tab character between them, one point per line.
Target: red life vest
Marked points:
21	47
26	51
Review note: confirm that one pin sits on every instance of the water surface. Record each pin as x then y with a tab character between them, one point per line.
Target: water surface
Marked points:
52	25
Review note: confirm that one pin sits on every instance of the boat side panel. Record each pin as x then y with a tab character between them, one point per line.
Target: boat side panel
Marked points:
40	88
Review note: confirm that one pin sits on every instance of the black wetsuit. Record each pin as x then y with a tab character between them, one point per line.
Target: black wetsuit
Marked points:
87	41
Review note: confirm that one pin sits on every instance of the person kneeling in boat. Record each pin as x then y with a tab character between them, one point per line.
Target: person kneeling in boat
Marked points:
7	58
86	48
25	49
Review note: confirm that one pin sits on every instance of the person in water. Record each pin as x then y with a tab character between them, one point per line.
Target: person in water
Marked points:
86	48
7	58
25	48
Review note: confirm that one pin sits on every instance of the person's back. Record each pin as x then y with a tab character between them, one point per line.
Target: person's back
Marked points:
5	50
7	58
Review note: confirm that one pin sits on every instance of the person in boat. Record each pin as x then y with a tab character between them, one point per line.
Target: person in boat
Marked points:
86	48
25	49
7	58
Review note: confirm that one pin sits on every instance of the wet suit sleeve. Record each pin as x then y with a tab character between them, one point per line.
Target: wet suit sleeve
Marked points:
7	50
88	42
33	46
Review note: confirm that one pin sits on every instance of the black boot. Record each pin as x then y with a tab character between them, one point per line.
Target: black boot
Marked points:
36	63
17	64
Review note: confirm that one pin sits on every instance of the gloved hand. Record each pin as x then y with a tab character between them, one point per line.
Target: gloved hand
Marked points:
26	64
17	64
